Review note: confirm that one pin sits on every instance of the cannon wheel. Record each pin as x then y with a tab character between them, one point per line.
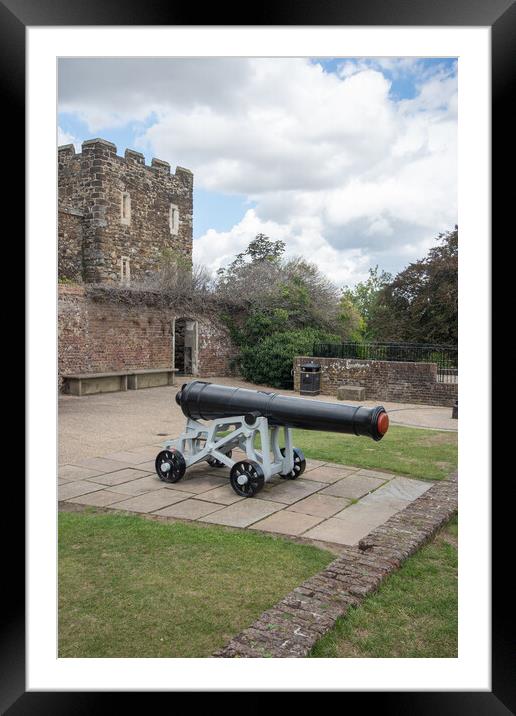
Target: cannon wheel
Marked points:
246	478
170	465
217	463
299	465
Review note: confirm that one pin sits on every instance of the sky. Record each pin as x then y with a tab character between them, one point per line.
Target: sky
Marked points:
352	162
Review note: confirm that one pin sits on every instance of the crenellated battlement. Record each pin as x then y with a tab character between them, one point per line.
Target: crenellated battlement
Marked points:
118	215
131	156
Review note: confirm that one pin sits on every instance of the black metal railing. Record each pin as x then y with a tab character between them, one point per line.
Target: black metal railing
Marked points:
445	357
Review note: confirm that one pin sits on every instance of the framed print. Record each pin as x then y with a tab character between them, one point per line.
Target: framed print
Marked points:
307	192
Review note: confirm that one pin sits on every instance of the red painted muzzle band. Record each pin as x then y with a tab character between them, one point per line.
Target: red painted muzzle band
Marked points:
383	423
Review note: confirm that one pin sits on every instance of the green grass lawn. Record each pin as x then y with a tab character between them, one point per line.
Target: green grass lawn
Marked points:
426	454
131	587
413	614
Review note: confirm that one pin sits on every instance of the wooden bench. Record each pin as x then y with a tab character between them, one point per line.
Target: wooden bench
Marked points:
90	383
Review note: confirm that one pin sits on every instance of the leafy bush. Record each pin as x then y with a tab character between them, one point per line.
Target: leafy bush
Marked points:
269	361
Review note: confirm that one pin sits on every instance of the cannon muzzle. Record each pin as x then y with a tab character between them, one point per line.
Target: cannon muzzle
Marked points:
200	400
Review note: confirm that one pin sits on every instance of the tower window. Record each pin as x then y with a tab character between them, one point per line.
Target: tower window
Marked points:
173	219
125	208
125	270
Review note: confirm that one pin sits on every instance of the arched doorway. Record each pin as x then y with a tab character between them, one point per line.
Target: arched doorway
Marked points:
185	346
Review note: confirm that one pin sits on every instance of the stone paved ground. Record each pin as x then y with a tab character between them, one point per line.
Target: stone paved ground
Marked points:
332	504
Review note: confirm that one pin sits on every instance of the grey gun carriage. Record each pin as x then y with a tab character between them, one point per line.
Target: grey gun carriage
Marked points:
221	418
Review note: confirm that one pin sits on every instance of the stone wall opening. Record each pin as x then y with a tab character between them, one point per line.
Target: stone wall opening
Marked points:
101	336
186	346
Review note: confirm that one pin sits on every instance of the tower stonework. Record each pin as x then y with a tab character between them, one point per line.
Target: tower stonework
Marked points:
119	218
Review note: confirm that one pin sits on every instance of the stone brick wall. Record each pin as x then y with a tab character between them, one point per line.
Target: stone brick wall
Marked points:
383	380
93	183
70	237
216	350
100	337
74	354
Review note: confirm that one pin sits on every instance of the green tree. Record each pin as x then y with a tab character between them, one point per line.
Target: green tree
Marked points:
420	305
364	296
263	292
351	320
261	249
277	308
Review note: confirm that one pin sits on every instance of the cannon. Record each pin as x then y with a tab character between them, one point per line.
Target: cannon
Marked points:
222	418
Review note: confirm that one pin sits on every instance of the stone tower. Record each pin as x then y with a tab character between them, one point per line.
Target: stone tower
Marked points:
118	217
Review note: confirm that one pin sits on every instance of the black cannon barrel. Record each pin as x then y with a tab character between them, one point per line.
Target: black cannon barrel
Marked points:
200	400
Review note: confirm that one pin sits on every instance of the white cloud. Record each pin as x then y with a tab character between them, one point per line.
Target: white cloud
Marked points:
335	166
218	248
66	138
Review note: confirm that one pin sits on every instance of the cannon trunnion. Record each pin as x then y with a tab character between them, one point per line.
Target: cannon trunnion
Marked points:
222	418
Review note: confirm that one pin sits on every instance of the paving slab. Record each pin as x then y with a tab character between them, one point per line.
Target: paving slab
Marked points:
287	491
383	501
101	464
286	523
400	488
312	464
189	509
371	514
115	478
151	501
340	531
380	474
148	465
128	458
100	498
354	487
243	514
148	451
139	486
73	472
200	483
202	468
74	489
224	495
328	473
319	505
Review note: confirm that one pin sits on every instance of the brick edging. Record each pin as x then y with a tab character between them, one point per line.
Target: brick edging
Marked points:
292	626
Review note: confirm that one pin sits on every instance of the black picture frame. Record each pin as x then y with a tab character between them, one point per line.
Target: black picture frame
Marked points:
500	15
